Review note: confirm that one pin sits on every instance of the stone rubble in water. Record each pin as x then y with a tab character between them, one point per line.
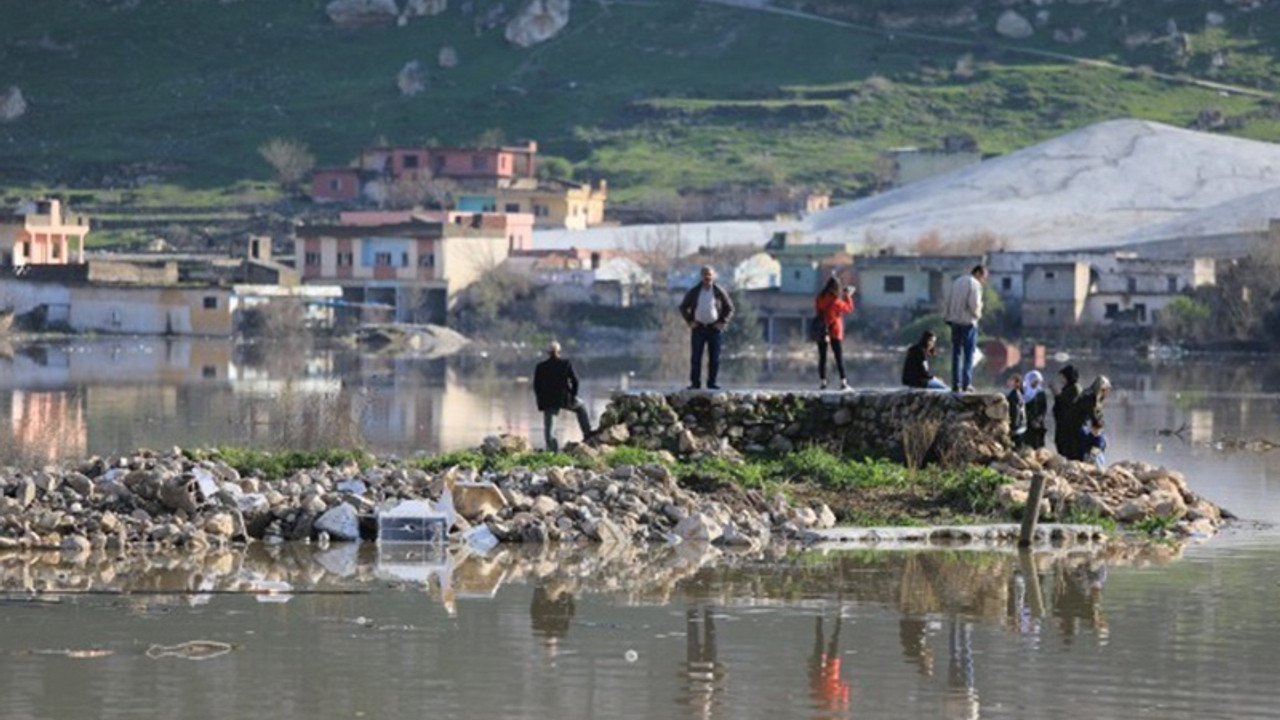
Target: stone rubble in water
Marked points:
12	104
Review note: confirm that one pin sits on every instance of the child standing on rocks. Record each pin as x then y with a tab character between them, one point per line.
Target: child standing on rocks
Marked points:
1017	411
1094	441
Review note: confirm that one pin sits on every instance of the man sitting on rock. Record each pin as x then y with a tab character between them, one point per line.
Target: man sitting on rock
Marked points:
556	387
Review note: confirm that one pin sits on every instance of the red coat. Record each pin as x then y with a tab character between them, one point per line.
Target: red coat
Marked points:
832	308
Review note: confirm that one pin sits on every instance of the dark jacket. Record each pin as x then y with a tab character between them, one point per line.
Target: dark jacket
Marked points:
1036	411
1065	437
1017	412
1082	412
555	384
724	306
915	370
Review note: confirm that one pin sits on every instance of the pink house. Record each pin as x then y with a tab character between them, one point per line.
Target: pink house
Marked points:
42	233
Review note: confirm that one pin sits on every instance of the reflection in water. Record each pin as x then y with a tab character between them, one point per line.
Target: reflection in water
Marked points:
828	689
703	673
352	611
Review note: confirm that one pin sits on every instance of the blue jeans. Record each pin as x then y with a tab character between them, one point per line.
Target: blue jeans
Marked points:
964	340
704	336
549	424
936	384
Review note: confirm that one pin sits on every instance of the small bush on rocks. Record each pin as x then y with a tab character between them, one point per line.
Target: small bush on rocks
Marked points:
973	488
278	465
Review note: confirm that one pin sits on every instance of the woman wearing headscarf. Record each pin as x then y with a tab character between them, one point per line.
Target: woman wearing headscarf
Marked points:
1065	437
1037	408
831	305
1085	413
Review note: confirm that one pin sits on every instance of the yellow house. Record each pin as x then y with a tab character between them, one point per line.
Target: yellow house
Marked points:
553	203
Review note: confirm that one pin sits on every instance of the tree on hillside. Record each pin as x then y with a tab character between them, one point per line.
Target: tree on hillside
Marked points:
421	190
491	138
290	159
551	167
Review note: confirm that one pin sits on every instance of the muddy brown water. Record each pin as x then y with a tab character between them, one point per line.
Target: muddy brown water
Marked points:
297	632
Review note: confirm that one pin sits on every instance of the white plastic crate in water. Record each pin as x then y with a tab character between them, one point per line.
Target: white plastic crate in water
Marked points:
413	521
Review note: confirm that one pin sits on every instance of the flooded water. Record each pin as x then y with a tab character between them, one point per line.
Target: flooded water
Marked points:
296	632
643	633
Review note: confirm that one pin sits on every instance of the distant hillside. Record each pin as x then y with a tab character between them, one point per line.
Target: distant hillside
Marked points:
657	96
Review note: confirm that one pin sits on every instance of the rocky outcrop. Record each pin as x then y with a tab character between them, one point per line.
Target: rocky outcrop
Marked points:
12	104
411	79
425	8
447	57
912	426
362	12
538	22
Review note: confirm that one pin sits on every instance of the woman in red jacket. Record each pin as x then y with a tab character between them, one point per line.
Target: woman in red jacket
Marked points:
832	304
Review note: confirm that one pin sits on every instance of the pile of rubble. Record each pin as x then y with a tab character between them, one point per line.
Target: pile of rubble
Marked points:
170	500
1128	492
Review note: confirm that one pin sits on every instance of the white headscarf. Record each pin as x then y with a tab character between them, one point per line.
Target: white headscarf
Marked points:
1029	389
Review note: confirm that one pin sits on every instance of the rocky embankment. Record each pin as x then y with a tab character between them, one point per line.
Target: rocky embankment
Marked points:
169	500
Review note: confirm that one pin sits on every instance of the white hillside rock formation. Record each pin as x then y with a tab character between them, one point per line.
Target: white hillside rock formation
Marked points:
1086	188
538	22
1013	25
1250	214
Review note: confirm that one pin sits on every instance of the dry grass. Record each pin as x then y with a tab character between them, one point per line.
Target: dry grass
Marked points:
917	440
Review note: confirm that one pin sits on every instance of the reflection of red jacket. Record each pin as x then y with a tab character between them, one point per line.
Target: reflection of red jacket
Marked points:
831	308
831	692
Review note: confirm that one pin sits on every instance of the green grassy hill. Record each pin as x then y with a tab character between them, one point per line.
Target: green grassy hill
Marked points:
657	96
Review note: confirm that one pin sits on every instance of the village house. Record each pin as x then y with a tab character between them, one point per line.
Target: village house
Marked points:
906	165
502	179
738	203
411	269
1050	291
41	232
909	282
604	277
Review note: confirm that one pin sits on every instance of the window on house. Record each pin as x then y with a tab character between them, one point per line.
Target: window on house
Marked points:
479	162
1053	312
895	284
345	258
312	258
26	249
1133	285
541	211
491	207
511	207
1050	274
55	250
797	274
1140	311
382	259
410	162
438	163
404	259
210	302
208	371
1111	310
1173	283
1006	283
335	184
427	260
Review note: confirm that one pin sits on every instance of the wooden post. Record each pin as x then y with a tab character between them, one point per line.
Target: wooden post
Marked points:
1032	511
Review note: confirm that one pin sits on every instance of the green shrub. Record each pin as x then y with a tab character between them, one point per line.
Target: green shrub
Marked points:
627	455
972	488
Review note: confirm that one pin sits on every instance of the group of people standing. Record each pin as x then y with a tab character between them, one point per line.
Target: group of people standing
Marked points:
707	309
1078	423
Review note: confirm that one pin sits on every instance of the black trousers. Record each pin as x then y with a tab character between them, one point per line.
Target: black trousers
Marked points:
837	349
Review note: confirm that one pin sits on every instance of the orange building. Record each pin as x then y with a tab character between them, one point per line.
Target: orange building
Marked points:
42	233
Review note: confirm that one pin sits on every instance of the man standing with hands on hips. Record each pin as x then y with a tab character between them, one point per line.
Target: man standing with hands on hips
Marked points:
962	312
706	309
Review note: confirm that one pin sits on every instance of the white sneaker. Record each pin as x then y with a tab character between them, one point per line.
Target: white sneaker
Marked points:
844	385
822	385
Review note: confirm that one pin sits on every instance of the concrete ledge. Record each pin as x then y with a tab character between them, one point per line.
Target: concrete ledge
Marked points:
1000	535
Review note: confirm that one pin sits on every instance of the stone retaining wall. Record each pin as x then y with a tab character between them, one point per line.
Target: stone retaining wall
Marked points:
900	425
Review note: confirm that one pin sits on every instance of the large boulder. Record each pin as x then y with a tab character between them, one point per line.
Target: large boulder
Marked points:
423	8
362	12
1013	25
412	79
538	22
12	104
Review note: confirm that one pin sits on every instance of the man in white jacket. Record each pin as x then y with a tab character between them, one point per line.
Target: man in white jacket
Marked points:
962	312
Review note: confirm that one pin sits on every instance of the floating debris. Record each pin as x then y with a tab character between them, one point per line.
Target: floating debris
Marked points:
77	654
190	650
